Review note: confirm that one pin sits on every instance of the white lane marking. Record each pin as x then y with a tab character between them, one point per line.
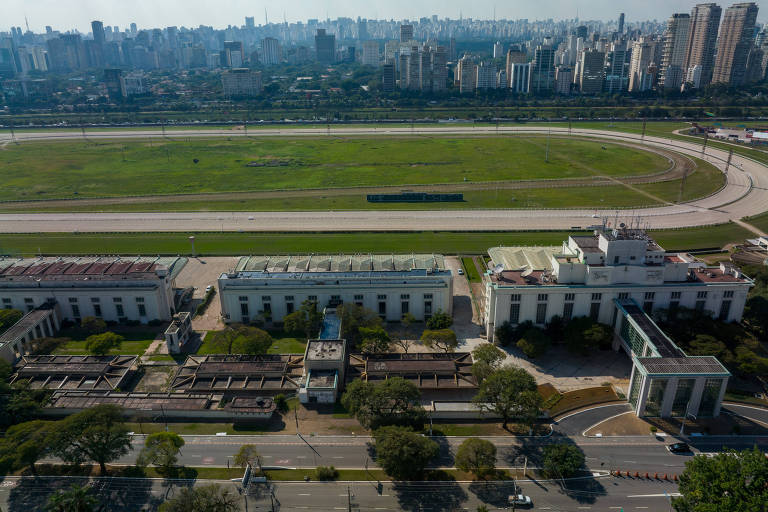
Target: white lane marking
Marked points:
673	494
338	457
641	507
304	494
631	461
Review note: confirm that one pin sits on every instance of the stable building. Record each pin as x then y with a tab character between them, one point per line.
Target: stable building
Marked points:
271	287
113	288
74	373
17	340
588	273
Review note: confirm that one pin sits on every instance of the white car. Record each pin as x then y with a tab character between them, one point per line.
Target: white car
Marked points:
208	288
520	499
461	272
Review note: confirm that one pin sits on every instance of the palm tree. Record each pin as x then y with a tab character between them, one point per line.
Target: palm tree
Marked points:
75	499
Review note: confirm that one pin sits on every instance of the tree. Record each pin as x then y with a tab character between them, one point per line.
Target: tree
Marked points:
597	337
247	455
392	402
504	334
8	317
574	334
561	460
205	498
305	321
439	320
97	434
93	325
374	341
23	403
732	480
161	449
534	343
100	344
281	403
241	339
25	443
353	317
77	498
401	453
476	456
502	393
443	339
486	359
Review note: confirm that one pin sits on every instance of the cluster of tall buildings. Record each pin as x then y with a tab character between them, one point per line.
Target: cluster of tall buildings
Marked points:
696	49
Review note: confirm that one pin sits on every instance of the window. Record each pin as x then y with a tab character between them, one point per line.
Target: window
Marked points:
594	311
312	298
728	294
405	296
567	310
650	295
541	313
245	319
569	297
682	396
701	295
382	297
289	298
142	310
725	310
95	300
75	311
543	297
336	298
28	300
117	299
514	313
597	296
515	297
360	297
615	259
97	310
267	307
648	306
119	310
710	396
6	300
244	308
676	295
700	305
243	298
427	307
266	298
72	300
139	300
404	307
382	308
288	308
623	295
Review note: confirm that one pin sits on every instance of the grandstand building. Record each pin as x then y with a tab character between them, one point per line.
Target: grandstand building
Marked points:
113	288
391	285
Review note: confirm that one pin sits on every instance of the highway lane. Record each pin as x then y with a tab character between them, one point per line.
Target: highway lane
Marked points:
591	494
745	194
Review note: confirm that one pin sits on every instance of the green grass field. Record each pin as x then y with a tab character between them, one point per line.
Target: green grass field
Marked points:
104	169
282	344
446	242
137	340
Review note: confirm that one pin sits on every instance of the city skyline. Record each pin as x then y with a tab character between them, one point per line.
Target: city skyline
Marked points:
192	13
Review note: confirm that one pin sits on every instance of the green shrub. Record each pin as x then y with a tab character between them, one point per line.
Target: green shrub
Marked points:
326	473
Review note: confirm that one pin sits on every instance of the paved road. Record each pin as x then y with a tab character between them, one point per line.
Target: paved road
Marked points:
745	194
592	494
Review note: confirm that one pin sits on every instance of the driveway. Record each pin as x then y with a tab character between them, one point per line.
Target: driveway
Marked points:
199	273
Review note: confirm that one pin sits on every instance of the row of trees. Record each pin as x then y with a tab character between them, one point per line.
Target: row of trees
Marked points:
581	335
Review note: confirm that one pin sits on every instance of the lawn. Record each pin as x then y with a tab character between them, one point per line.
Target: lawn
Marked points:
445	242
137	340
138	167
572	400
282	344
470	269
759	221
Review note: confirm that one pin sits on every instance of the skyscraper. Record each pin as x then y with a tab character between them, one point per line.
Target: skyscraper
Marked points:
406	33
702	39
671	73
736	38
370	53
642	68
388	77
325	47
617	68
270	50
621	23
542	77
591	71
97	28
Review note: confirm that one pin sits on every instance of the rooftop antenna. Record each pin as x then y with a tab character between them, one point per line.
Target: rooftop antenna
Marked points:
27	22
266	20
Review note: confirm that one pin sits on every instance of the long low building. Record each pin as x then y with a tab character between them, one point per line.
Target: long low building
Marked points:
391	285
586	275
113	288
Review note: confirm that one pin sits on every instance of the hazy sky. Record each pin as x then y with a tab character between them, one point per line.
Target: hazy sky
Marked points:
68	14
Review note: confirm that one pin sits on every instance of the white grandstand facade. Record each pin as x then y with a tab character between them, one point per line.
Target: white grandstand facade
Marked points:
390	285
588	273
112	288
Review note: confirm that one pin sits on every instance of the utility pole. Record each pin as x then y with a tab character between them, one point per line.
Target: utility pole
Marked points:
245	126
682	185
13	134
704	147
728	163
162	127
643	137
349	500
546	155
569	127
525	467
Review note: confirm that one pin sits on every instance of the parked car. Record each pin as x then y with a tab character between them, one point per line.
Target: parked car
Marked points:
678	448
208	289
461	271
520	500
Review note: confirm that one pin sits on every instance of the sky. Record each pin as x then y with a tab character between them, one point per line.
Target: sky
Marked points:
77	14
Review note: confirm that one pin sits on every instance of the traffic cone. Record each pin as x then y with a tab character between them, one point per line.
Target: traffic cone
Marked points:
655	476
646	475
627	474
674	477
637	475
665	477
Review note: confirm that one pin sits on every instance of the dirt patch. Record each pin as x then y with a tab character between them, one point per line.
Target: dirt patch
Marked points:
155	379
